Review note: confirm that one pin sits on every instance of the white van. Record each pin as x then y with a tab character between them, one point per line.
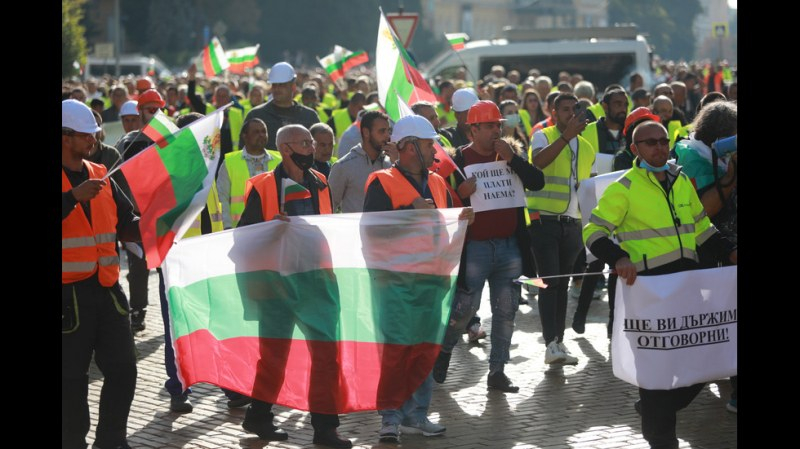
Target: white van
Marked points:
602	55
134	64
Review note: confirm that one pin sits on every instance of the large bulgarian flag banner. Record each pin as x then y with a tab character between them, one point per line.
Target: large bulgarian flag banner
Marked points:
397	73
341	60
242	58
214	59
171	184
292	313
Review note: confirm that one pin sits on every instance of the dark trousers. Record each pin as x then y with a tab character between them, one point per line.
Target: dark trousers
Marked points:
555	246
137	281
659	409
587	293
101	329
260	410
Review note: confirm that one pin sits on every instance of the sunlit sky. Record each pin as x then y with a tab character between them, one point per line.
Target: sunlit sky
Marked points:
732	3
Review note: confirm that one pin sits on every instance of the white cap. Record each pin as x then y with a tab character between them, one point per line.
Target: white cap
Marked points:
413	126
282	72
129	108
78	117
463	99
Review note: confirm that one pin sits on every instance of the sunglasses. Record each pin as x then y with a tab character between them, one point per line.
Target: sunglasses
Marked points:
653	142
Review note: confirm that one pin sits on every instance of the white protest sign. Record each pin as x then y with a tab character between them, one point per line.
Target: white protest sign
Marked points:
589	193
498	187
676	330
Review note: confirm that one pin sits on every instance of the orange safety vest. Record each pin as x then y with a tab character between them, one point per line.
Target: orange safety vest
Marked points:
90	247
402	193
267	189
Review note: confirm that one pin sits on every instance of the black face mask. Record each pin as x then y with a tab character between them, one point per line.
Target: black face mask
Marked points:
303	161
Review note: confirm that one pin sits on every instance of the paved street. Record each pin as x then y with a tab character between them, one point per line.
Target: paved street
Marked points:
581	406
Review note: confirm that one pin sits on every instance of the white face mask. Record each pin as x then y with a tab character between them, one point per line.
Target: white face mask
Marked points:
512	120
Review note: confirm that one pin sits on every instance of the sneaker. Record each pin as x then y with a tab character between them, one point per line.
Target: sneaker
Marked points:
179	403
239	402
426	428
499	381
137	320
389	433
568	358
553	354
330	437
475	333
440	367
731	406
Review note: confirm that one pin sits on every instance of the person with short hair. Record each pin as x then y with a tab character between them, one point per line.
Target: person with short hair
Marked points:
324	141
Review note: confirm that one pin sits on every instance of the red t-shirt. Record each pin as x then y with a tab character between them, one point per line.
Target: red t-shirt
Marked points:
490	224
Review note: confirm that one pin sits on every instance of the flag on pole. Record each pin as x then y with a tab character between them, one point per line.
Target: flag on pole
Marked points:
397	72
327	324
457	40
171	184
342	60
214	60
242	58
443	164
160	129
293	191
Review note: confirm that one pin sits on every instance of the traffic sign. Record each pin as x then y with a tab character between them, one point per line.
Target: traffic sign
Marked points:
104	50
719	29
404	25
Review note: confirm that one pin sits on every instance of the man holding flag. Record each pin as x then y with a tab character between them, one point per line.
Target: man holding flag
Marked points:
293	188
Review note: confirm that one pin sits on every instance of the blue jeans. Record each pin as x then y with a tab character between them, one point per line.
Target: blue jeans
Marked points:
415	409
555	246
499	262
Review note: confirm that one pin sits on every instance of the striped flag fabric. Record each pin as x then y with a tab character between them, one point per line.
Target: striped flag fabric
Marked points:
214	59
341	60
160	129
241	59
397	72
171	184
291	191
457	40
327	324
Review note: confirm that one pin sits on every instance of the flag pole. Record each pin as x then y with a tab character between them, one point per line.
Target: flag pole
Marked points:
464	64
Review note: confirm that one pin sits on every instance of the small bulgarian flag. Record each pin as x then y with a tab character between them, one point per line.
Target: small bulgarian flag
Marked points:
457	40
291	191
160	129
242	58
171	184
524	280
214	59
342	60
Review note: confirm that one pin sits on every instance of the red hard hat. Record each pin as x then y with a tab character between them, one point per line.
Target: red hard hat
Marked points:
151	96
143	84
639	114
484	111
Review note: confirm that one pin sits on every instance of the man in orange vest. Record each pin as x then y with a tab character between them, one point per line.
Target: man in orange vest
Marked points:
408	184
266	199
94	310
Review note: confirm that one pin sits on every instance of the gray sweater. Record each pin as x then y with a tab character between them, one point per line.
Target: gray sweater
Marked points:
348	177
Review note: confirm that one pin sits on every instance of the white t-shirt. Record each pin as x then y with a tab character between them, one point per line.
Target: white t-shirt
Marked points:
538	143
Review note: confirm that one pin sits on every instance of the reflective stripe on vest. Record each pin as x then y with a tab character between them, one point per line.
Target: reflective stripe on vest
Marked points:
267	189
555	195
238	174
402	193
86	247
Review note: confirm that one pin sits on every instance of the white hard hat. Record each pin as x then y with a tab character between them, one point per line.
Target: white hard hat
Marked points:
463	99
129	108
282	72
413	126
78	117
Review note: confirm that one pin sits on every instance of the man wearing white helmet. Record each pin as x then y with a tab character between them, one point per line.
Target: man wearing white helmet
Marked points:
129	115
281	109
463	99
408	184
94	309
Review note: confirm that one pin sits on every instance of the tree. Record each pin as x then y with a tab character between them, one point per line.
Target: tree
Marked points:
73	39
668	23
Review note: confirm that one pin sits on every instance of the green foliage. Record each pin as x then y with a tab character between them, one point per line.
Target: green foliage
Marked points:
73	39
668	23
